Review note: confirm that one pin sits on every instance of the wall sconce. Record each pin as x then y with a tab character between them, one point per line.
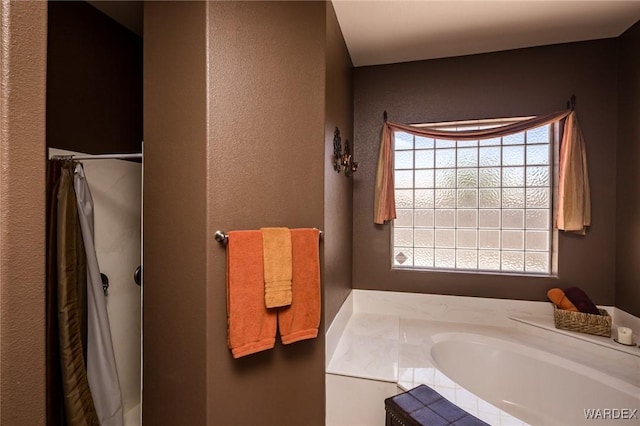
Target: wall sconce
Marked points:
343	160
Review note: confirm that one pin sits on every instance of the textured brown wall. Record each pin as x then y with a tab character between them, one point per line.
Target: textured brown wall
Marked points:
628	178
513	83
22	202
94	81
266	168
338	195
175	205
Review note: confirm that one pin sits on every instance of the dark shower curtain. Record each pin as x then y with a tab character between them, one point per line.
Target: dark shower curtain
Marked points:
69	399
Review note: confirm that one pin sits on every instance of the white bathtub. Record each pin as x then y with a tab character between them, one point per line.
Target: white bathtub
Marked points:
501	360
535	386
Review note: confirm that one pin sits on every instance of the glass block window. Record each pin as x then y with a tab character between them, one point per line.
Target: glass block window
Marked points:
481	205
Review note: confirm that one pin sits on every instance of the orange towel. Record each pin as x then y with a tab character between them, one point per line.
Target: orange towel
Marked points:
252	327
301	320
276	252
557	296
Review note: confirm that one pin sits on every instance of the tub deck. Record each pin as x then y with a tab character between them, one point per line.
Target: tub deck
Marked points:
392	349
394	345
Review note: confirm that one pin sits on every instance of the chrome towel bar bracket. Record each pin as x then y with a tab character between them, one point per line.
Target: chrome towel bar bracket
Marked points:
223	238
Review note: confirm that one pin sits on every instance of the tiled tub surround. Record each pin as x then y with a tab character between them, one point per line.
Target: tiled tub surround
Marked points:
410	339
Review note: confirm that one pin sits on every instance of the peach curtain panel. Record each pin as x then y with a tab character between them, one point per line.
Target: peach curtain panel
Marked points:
574	201
574	205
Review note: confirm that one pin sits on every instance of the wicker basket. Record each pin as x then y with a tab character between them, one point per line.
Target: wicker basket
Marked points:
581	322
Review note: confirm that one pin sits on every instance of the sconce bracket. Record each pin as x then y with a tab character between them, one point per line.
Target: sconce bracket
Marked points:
337	148
343	160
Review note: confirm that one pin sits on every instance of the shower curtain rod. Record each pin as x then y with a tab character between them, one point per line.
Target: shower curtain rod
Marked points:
99	157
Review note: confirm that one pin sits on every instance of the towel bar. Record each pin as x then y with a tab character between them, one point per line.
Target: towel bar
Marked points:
222	237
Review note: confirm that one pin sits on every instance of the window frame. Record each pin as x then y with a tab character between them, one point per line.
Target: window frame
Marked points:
552	240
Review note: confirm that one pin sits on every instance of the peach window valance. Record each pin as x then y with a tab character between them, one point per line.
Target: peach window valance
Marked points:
574	203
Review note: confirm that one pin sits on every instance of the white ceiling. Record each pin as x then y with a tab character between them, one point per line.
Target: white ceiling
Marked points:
389	31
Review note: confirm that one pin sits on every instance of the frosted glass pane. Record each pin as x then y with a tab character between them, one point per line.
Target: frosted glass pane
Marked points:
489	198
513	219
403	140
445	258
513	261
490	156
422	142
445	218
402	256
513	155
513	176
467	238
467	218
467	144
489	239
467	157
446	178
538	135
404	218
513	197
537	219
445	198
537	154
538	176
538	240
443	143
489	260
467	198
424	159
537	262
489	142
403	160
402	237
514	139
538	198
445	238
423	237
423	218
445	158
404	198
404	178
489	218
490	178
466	259
513	240
467	178
424	198
424	178
423	257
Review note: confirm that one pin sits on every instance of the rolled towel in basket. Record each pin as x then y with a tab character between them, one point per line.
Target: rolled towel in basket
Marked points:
581	301
557	296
